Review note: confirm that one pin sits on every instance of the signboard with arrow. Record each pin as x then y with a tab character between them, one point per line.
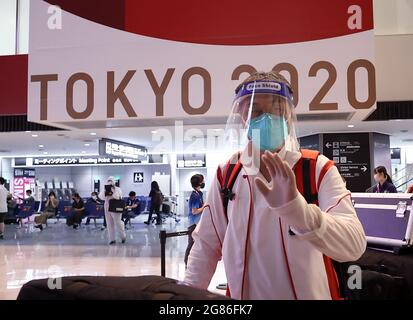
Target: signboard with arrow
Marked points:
351	154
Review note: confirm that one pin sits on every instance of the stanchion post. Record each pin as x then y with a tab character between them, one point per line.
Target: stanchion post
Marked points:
162	238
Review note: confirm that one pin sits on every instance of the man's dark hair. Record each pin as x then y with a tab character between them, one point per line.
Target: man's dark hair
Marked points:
383	170
2	180
76	195
196	180
132	194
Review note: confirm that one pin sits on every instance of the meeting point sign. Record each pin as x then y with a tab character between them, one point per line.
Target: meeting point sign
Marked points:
80	70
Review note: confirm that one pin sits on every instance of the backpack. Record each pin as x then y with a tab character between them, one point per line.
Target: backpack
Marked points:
305	173
157	198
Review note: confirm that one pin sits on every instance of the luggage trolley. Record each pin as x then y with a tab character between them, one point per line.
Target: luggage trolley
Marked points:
387	220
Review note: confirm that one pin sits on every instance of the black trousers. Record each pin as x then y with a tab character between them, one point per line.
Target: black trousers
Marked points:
190	243
126	217
155	208
75	218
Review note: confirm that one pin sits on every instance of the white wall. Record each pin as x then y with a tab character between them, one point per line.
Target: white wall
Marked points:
394	67
54	174
7	27
408	155
393	16
213	159
23	27
6	171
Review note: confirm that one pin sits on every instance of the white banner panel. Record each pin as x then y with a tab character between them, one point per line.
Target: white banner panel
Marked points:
82	71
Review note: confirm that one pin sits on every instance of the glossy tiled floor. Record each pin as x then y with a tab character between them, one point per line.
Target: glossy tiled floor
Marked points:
58	250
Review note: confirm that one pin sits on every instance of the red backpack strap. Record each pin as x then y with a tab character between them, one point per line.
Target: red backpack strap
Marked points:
227	180
305	174
332	279
323	172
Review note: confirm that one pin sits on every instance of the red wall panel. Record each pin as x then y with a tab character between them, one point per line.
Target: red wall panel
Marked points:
13	84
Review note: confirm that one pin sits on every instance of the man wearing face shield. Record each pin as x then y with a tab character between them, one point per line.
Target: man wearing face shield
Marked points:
277	215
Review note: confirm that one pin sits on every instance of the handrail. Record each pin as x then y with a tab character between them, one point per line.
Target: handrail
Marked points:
404	176
406	182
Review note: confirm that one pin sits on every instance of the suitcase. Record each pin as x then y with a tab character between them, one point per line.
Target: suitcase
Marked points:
386	219
379	282
114	288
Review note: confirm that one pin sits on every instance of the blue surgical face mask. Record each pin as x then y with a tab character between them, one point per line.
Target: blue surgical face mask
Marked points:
273	130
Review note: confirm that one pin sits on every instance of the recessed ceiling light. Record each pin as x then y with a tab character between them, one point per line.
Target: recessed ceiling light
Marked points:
41	146
93	133
83	151
154	131
397	119
35	135
28	131
45	152
217	129
350	126
87	144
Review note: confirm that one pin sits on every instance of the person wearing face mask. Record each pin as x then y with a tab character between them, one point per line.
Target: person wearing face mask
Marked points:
196	206
50	210
276	214
113	219
383	180
96	200
131	206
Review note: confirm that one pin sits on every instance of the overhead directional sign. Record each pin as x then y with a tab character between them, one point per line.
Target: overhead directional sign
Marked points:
71	161
114	148
351	154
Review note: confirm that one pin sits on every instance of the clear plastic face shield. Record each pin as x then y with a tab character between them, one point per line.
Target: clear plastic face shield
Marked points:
262	118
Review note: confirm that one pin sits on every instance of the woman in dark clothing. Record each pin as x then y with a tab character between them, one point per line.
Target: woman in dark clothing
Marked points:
156	201
384	182
78	210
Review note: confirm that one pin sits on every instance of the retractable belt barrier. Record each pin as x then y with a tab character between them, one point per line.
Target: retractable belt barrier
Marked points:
162	237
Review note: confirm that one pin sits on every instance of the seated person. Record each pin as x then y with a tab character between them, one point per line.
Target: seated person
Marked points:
94	198
29	200
50	210
78	210
11	209
131	204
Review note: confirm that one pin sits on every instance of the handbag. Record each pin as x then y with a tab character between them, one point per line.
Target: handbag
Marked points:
117	205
